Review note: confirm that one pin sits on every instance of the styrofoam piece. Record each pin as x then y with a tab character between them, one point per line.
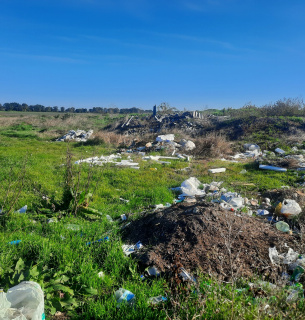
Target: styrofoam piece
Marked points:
165	138
217	170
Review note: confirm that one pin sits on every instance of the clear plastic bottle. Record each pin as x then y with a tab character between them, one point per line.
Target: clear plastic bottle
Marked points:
156	300
123	295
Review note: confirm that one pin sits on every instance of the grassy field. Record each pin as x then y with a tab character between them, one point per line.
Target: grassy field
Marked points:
34	173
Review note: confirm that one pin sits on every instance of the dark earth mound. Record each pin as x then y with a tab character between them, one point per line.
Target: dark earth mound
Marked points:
204	236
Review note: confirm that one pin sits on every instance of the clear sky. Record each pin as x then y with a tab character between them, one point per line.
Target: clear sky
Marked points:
192	54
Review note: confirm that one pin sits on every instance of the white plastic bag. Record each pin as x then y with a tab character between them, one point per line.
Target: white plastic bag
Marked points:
190	186
26	300
290	208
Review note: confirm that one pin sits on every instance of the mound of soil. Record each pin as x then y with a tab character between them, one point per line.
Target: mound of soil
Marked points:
206	237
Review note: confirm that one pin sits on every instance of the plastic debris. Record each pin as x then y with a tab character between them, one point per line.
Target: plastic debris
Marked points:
124	296
186	276
190	188
290	208
78	135
123	217
101	274
280	151
99	240
129	249
282	226
166	138
153	271
24	301
156	300
22	210
261	212
295	294
217	170
15	242
265	167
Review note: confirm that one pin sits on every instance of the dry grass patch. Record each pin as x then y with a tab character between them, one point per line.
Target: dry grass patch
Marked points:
212	145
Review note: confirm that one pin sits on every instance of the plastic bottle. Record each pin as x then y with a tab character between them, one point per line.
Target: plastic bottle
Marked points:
156	300
295	294
123	295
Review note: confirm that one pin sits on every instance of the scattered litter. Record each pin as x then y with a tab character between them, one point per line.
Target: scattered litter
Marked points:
129	249
123	217
190	186
186	276
101	274
124	296
280	151
22	210
217	170
24	301
52	220
99	240
243	171
166	138
262	285
187	145
262	212
156	300
282	226
15	242
109	218
290	208
266	167
153	271
124	200
78	135
295	294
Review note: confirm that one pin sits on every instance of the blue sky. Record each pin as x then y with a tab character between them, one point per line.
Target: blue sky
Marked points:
192	54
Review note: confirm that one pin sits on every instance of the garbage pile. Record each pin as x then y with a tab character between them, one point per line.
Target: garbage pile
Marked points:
185	121
197	235
78	135
99	161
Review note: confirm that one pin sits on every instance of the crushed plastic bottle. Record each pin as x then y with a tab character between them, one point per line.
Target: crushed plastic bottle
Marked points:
296	293
156	300
124	296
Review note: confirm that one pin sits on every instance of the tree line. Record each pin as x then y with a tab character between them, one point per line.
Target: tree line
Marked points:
14	106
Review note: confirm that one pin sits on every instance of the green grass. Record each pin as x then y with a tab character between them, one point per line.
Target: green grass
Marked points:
59	259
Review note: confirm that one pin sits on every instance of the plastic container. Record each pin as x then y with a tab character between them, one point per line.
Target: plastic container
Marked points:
124	296
290	208
27	299
156	300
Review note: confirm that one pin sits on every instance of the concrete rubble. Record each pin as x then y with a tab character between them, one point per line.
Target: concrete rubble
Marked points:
78	135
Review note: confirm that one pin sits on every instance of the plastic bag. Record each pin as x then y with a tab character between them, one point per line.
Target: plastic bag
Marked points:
290	208
27	302
190	186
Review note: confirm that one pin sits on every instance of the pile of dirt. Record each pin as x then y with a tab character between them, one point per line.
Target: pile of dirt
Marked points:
206	237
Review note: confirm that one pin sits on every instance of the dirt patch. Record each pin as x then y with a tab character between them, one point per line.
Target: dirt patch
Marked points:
204	236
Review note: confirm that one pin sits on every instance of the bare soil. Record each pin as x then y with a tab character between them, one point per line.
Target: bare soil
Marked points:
203	236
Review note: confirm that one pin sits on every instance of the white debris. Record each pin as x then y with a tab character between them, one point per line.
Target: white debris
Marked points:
266	167
165	138
280	151
78	135
217	170
187	145
190	188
